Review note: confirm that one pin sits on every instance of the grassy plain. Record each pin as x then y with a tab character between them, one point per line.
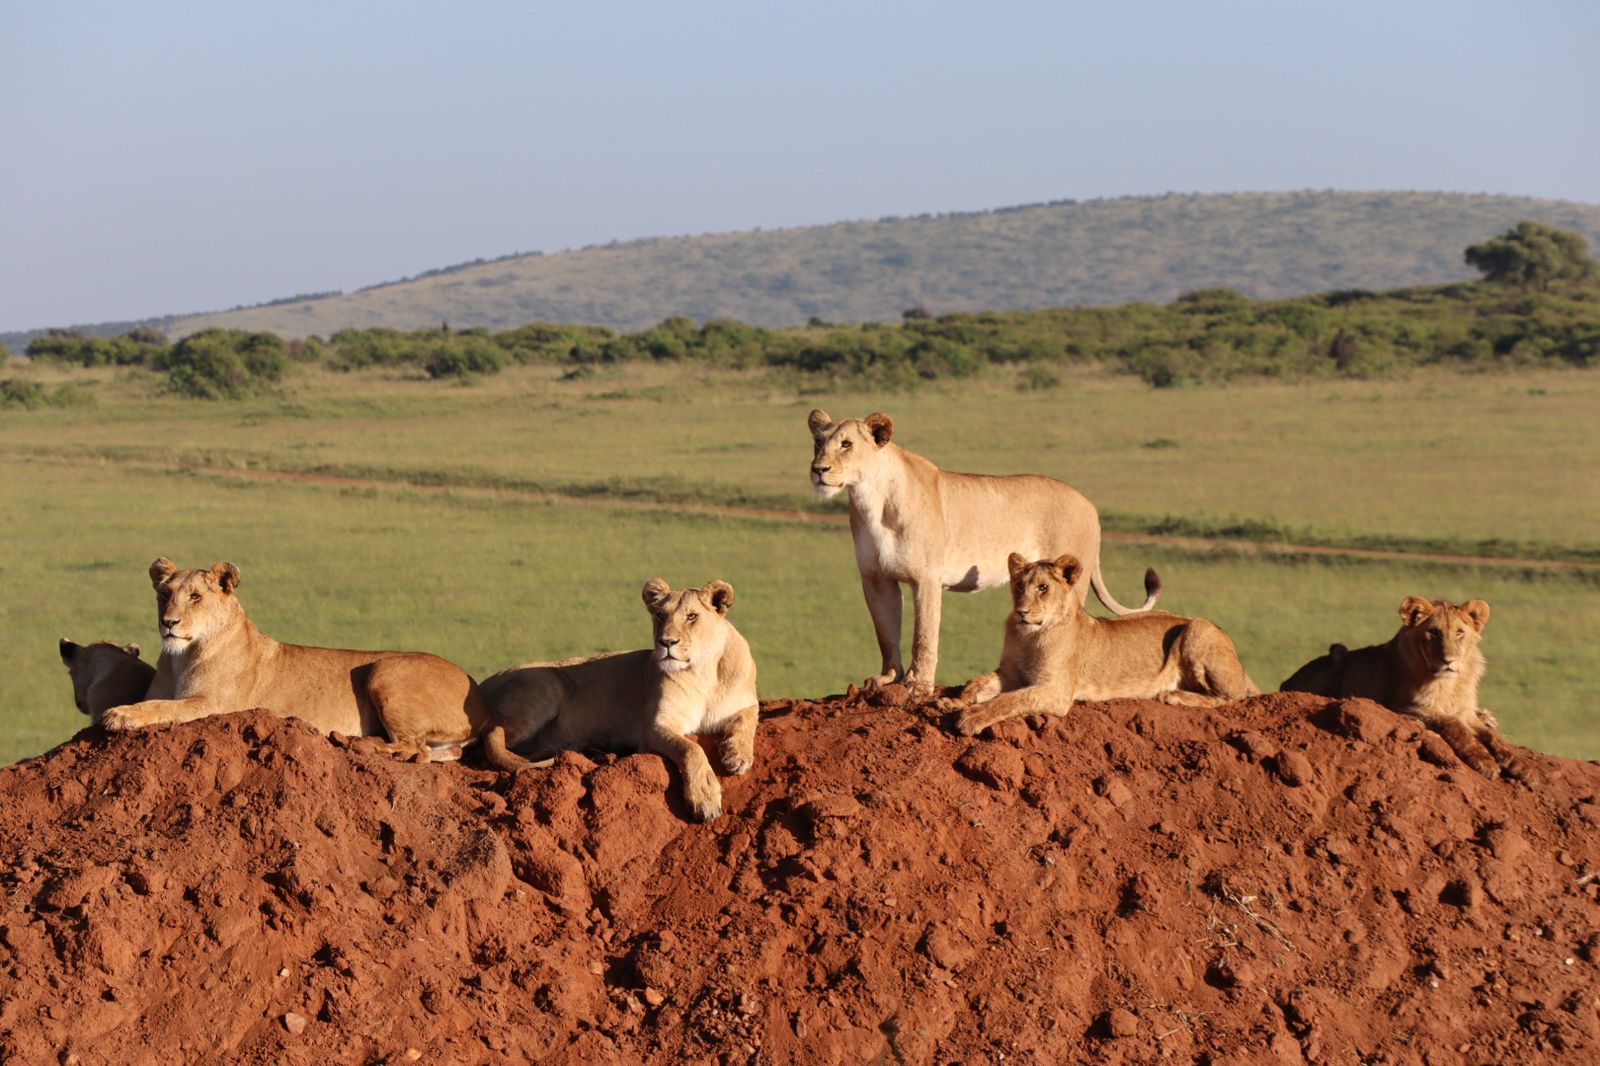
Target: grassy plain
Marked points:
516	518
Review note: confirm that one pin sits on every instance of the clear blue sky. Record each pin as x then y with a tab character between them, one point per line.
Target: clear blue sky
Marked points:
187	156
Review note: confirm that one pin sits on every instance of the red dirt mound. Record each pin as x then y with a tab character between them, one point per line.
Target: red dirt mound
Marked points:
1282	880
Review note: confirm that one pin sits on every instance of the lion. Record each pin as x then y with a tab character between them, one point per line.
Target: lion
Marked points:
936	529
1056	652
1430	670
105	675
697	678
215	661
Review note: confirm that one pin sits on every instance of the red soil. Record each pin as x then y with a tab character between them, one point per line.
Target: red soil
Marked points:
1283	880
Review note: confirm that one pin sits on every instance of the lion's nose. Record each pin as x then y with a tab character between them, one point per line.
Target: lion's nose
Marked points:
168	623
668	642
817	468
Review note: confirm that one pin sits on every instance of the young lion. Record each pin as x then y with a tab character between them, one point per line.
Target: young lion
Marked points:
215	661
936	529
1056	652
698	677
1429	669
105	675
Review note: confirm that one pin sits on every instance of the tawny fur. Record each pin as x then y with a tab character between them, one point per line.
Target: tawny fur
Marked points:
215	661
697	678
1429	669
105	675
1056	652
936	529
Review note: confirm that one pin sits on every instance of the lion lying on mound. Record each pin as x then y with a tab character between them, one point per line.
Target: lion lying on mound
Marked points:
1056	652
936	529
215	661
105	675
698	677
1429	669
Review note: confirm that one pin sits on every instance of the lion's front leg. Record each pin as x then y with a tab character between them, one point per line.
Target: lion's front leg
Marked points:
1512	763
150	713
701	789
739	743
928	603
883	603
1014	704
1466	745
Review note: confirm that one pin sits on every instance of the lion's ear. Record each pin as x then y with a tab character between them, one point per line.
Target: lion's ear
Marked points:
1415	610
719	594
1477	613
818	421
881	426
655	591
1016	564
162	569
69	650
1070	568
131	649
227	576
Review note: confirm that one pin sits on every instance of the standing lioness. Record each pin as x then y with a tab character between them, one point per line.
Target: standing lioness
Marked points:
935	530
215	661
697	677
1056	652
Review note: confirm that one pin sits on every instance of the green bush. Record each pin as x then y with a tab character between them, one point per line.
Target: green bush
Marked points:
218	364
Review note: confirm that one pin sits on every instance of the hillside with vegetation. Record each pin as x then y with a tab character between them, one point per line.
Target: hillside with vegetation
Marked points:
1062	254
1537	305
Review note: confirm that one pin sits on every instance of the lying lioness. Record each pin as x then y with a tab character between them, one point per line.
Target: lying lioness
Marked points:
698	677
936	529
1056	652
105	675
1429	669
215	661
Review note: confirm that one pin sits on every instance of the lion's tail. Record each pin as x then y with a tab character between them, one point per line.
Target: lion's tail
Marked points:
1152	592
497	755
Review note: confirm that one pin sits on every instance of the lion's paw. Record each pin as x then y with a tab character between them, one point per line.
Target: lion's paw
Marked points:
704	797
121	719
736	760
970	723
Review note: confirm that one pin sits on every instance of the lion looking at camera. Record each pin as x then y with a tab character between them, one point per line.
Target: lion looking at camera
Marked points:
1056	652
1430	669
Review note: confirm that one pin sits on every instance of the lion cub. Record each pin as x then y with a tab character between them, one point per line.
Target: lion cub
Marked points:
215	661
105	675
1056	652
1430	670
698	677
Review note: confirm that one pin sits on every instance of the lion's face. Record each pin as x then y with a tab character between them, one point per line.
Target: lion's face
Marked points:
690	625
105	673
1440	634
844	450
1041	592
192	604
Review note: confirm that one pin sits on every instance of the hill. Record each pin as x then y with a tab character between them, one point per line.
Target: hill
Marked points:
1280	880
1045	255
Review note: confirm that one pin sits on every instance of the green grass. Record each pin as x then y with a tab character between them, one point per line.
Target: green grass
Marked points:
484	571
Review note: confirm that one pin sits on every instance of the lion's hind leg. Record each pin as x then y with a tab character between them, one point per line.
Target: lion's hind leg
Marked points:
426	705
1208	665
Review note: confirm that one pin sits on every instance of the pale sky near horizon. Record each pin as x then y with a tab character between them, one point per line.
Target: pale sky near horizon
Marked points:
189	156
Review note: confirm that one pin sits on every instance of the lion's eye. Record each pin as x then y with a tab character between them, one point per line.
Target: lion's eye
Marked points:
1043	589
844	446
661	617
693	617
194	597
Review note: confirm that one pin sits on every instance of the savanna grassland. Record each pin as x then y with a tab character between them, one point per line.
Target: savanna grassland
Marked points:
515	517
